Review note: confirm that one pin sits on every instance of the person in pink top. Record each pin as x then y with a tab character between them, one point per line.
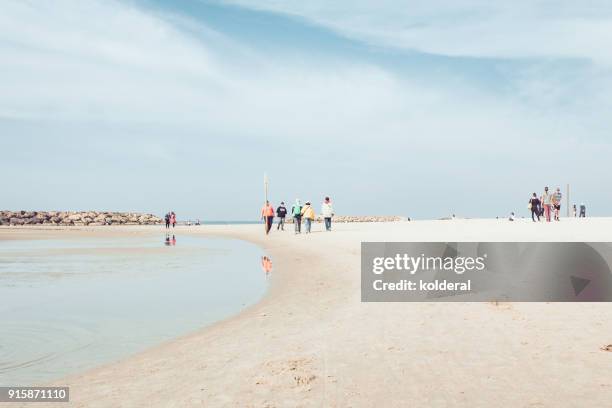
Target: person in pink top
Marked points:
267	214
173	219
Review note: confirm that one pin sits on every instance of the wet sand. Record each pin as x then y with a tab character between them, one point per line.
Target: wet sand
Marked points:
311	342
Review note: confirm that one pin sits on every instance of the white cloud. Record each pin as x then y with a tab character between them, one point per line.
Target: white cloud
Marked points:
107	61
476	28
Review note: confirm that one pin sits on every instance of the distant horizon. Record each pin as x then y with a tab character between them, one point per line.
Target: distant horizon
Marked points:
203	220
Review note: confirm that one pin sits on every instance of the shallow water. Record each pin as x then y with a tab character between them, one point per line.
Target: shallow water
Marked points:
69	305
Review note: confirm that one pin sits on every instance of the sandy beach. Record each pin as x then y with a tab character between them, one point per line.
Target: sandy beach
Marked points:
311	342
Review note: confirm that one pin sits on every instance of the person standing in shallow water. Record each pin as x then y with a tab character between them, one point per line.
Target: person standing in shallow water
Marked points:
534	205
309	216
267	214
296	212
281	212
327	212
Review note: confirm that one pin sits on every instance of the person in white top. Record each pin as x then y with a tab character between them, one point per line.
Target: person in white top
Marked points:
327	211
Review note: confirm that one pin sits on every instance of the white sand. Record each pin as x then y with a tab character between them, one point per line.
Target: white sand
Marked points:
311	342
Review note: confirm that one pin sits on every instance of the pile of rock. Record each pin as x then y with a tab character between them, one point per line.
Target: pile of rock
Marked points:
360	218
76	218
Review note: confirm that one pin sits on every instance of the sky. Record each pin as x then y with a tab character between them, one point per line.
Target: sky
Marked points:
413	108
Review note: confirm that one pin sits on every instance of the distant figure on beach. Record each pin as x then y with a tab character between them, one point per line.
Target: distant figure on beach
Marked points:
542	205
582	210
546	203
327	211
309	215
574	211
512	217
296	212
281	213
167	218
267	214
556	201
197	222
534	206
173	219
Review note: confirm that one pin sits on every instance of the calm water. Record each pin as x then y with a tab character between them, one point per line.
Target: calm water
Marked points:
69	305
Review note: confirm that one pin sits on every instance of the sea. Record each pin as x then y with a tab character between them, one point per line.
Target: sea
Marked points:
70	305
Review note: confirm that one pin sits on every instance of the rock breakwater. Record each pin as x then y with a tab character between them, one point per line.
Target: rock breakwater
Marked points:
76	218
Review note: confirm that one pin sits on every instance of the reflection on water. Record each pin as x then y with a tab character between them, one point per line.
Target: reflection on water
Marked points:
69	305
170	242
266	264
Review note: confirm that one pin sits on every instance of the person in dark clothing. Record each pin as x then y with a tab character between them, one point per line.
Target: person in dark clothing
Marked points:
582	211
167	220
281	212
534	204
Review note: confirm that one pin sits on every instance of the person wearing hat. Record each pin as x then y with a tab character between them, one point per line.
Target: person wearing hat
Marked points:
309	215
281	212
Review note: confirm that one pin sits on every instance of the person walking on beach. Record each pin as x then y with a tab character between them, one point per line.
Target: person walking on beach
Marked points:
582	210
267	214
534	206
574	211
173	219
296	212
167	219
327	211
556	201
281	212
546	203
309	216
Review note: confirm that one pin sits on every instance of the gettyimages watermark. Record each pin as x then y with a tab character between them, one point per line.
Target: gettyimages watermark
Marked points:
486	271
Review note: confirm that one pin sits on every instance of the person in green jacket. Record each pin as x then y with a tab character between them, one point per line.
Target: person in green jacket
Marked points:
296	212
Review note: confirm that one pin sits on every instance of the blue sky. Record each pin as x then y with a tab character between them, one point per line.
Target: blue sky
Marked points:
412	108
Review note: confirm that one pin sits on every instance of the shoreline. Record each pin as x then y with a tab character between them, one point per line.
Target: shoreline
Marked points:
311	342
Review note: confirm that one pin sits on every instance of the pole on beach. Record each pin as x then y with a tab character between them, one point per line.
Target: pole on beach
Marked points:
266	186
568	200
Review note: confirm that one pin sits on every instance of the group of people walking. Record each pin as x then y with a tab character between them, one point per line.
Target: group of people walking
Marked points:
299	213
548	205
170	219
545	205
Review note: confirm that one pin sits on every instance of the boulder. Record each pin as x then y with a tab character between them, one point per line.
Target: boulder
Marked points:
16	221
74	217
